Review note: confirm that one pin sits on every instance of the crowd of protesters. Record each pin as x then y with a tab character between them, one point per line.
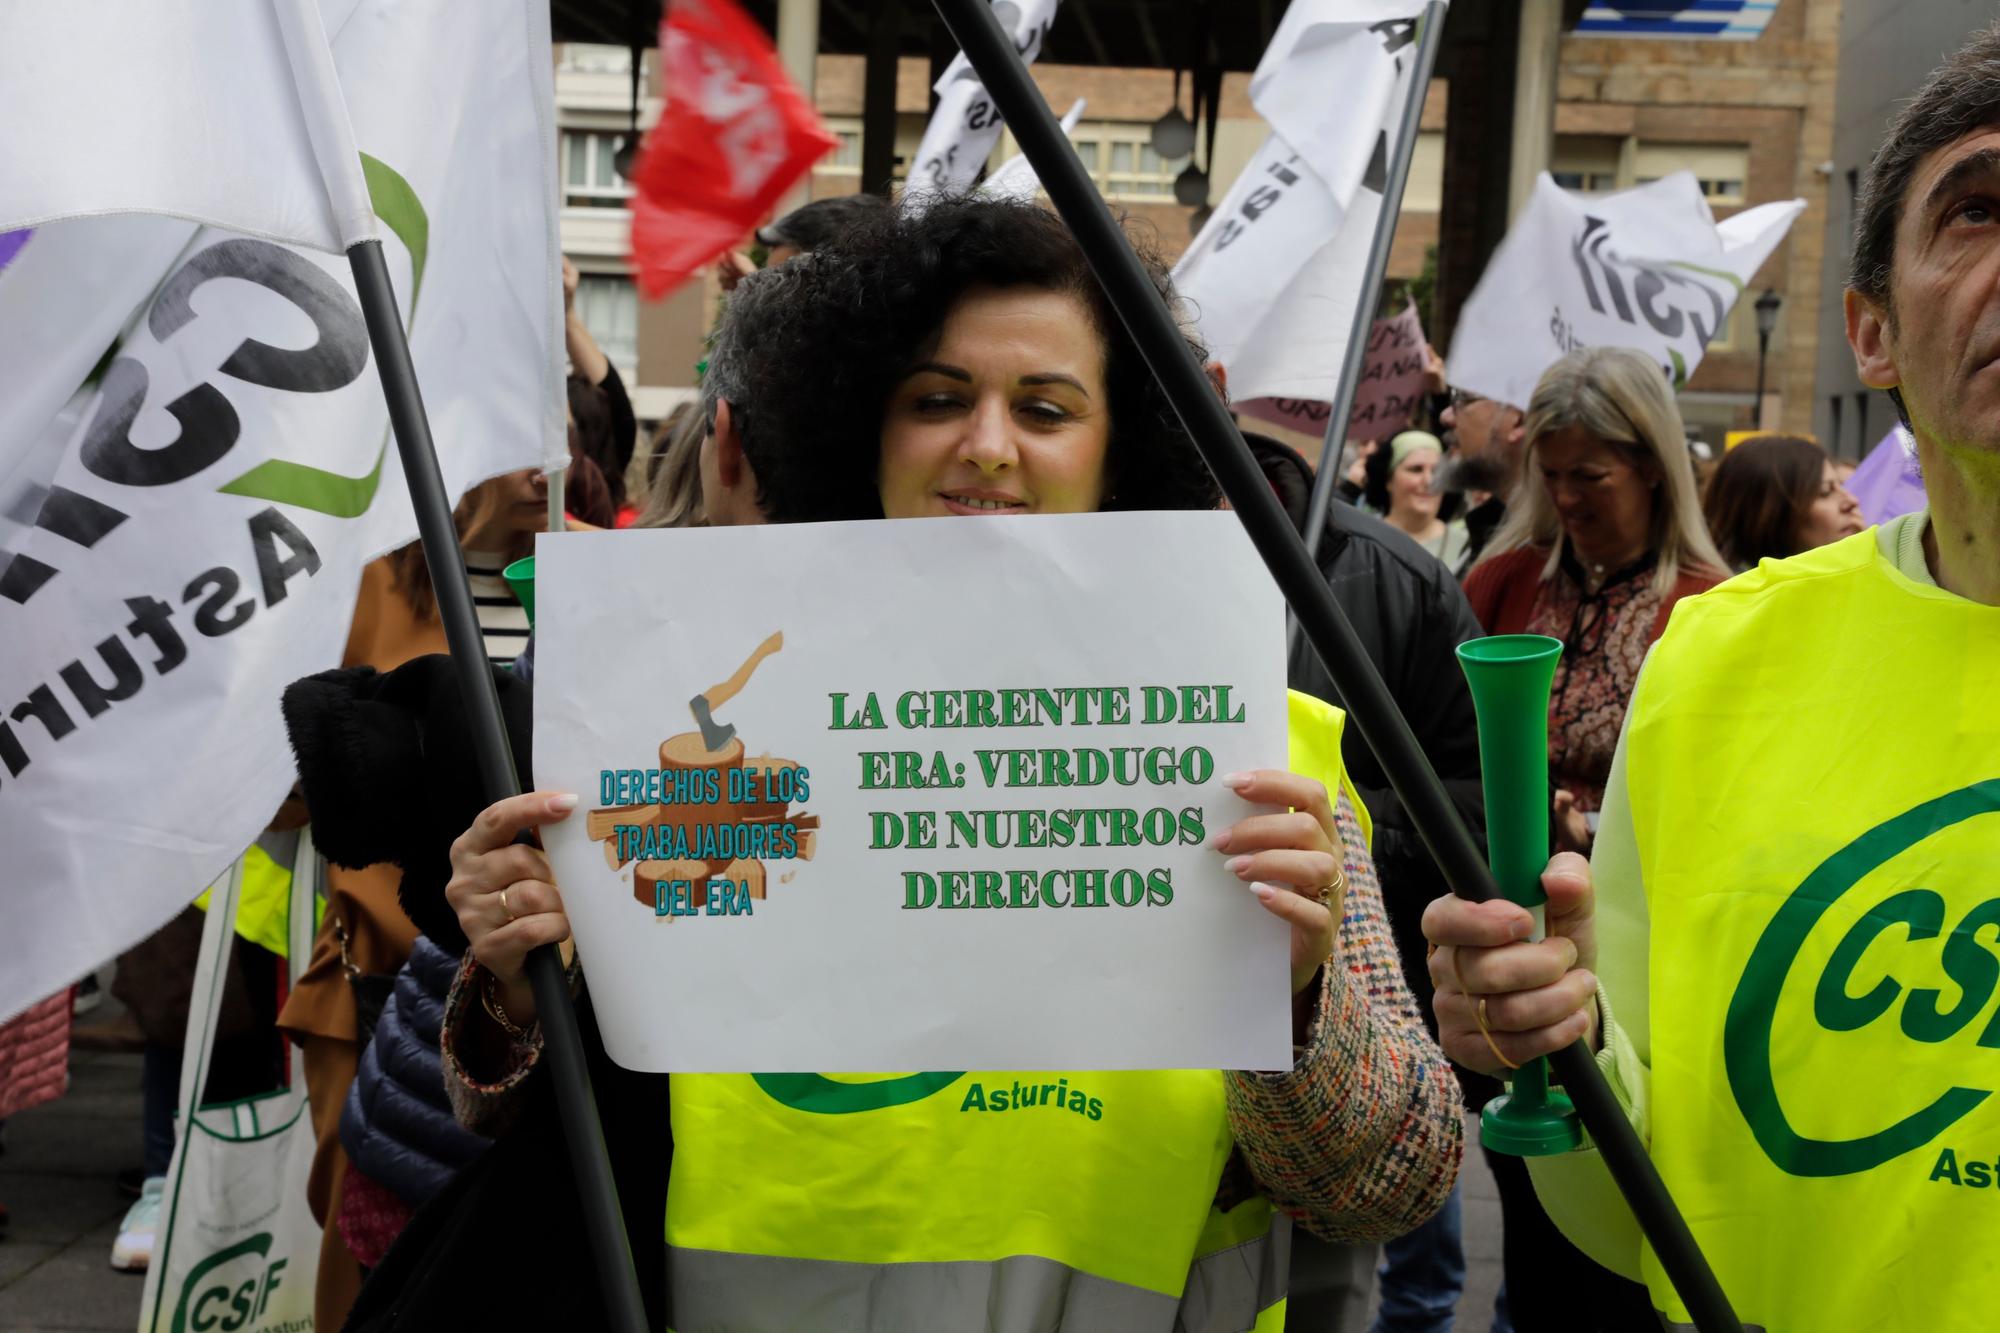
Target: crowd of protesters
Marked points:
980	360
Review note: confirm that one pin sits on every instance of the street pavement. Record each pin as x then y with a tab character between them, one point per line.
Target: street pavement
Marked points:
60	1160
56	1179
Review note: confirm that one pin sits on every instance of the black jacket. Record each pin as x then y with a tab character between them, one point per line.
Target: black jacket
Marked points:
1410	615
397	1124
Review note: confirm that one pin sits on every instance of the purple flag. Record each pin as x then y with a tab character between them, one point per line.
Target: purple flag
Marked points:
1888	483
11	243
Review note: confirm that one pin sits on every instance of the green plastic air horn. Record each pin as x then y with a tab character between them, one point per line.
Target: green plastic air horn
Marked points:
520	578
1510	675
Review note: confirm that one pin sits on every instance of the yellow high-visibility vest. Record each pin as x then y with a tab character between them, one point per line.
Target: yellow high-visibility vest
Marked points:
264	903
1814	767
1071	1201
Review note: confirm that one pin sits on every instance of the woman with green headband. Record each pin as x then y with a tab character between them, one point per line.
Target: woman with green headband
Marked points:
1401	486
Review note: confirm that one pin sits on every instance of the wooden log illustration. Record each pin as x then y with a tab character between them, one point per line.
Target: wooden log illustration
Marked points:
647	876
599	822
768	777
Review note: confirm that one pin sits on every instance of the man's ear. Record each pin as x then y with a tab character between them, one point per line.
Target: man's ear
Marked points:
1218	379
730	465
1868	334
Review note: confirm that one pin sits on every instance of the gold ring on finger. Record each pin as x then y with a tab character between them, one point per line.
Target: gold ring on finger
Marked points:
505	908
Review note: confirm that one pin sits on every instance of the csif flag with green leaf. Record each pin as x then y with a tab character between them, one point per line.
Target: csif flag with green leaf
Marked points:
186	530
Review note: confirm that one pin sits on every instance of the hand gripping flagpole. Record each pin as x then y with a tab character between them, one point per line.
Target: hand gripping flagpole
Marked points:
1382	725
325	111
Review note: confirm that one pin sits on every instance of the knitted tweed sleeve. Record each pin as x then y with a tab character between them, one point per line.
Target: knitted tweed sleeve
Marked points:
1360	1140
485	1101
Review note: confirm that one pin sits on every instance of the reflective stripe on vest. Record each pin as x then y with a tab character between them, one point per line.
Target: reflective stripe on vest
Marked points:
1227	1292
1075	1201
1814	768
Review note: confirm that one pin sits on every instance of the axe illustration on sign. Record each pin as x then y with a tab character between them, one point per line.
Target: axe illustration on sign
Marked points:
713	735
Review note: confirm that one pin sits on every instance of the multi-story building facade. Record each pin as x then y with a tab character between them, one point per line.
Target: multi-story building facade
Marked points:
1887	48
1752	120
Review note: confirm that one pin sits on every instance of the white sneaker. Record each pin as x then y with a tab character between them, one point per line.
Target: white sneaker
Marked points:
133	1249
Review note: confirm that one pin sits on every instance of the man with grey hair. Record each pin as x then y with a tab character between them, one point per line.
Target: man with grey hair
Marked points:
1782	949
757	460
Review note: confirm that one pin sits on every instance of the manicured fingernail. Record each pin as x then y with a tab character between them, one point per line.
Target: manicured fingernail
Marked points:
1220	839
1236	781
563	804
1236	865
1264	892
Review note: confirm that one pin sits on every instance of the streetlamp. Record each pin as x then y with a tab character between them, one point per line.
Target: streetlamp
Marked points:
1767	322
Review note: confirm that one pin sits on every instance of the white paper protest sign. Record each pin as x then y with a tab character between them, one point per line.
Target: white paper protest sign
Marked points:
941	799
1391	385
1648	268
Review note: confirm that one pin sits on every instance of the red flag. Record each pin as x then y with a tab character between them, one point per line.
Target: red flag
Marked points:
735	136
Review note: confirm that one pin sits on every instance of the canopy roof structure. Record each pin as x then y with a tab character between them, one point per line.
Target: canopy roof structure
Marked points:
1209	37
1146	34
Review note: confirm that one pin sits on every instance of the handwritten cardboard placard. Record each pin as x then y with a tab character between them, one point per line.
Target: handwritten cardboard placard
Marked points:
1390	388
927	794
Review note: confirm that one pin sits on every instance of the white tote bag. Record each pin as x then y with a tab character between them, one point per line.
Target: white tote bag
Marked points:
237	1248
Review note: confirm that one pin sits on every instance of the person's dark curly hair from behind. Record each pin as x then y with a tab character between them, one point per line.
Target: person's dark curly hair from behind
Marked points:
810	353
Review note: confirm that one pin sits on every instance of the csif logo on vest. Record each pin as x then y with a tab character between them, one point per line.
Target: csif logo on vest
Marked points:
825	1096
230	1289
1920	912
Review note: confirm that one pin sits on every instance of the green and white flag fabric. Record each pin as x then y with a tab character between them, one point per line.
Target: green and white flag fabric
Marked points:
186	531
1648	268
1274	276
967	122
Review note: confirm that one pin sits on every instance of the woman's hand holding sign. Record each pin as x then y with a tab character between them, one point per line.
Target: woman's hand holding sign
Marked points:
1291	861
505	894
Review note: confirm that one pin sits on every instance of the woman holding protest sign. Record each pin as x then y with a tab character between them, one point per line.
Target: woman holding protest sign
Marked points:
974	370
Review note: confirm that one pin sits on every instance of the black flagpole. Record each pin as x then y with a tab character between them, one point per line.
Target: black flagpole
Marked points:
604	1225
1382	724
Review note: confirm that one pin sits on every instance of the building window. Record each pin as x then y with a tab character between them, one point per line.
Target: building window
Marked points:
1586	163
589	179
1424	191
1120	158
1721	169
845	159
608	305
594	58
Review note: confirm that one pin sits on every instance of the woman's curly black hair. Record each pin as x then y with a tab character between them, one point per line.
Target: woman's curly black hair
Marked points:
809	353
